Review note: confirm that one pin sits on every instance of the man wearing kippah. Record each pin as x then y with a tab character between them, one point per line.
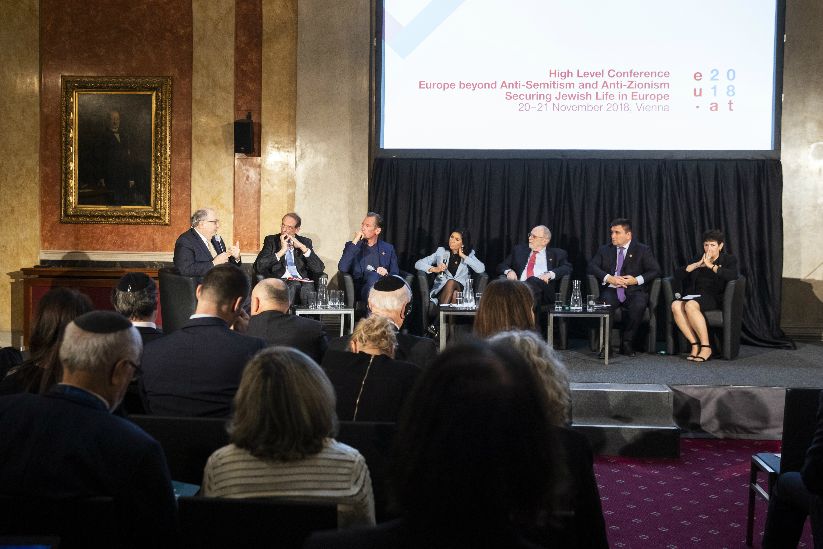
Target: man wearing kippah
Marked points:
67	444
391	298
135	297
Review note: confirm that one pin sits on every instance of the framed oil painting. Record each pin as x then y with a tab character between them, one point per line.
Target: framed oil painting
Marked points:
116	139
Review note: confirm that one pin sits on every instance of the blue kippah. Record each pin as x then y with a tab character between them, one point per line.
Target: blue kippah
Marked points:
102	322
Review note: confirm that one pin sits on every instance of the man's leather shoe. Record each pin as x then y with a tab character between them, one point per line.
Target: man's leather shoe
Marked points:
627	349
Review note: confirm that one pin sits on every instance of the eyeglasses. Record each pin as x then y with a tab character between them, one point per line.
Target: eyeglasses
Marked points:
532	235
215	221
284	226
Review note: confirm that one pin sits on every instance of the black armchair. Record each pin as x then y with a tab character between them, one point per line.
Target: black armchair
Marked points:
649	316
177	298
728	320
427	308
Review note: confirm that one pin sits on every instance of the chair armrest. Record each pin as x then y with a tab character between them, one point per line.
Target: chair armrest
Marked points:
593	286
348	290
481	280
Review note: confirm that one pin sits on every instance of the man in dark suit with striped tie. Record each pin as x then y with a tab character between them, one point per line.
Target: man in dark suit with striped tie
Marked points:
625	269
201	248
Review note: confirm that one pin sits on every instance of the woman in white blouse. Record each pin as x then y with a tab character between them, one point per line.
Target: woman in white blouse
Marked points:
281	441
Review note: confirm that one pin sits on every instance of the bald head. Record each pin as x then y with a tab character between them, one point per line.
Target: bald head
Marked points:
270	294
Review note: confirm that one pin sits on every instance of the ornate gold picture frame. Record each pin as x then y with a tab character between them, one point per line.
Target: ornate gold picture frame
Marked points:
116	139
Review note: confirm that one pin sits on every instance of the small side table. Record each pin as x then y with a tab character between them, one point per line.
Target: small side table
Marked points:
451	311
341	313
605	321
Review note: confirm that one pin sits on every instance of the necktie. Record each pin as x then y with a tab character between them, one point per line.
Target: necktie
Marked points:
212	250
621	292
290	266
530	265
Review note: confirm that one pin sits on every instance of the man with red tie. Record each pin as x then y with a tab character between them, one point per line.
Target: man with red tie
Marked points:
625	268
537	265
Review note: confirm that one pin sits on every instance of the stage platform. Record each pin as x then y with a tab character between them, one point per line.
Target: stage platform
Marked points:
742	398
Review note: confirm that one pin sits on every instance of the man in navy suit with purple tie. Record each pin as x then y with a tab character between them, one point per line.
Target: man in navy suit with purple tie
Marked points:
201	248
625	269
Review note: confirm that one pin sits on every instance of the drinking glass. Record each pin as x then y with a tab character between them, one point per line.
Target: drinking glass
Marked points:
590	302
459	297
311	300
477	297
558	302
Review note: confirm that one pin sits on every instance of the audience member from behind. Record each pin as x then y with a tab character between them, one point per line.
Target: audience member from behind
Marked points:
67	444
506	305
55	310
135	297
391	298
585	526
272	322
705	279
370	384
195	370
476	462
282	441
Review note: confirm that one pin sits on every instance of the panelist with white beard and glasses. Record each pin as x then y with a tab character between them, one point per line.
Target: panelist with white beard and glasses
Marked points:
537	265
201	248
367	258
625	269
290	256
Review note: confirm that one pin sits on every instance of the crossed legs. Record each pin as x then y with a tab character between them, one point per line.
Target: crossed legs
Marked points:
690	320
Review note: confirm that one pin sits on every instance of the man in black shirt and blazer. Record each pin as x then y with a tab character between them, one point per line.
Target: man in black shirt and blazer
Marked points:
289	256
272	322
625	269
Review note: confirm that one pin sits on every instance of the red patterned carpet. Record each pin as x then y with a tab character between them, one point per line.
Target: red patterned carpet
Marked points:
698	500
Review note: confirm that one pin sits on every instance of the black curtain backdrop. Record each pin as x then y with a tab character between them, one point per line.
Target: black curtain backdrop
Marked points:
670	203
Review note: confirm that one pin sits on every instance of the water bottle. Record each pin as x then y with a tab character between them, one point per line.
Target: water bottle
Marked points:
576	302
468	293
322	293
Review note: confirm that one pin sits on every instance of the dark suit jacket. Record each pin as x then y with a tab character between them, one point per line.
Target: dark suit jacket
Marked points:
388	383
269	266
420	351
557	260
812	470
304	334
192	256
638	261
66	444
353	261
195	370
148	334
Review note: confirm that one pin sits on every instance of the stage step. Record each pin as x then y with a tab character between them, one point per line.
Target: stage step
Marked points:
626	419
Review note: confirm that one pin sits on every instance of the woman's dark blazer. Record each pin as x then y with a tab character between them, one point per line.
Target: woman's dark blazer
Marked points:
708	284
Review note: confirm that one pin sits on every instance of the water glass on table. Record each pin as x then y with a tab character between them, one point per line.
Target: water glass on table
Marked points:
458	297
590	302
558	302
311	300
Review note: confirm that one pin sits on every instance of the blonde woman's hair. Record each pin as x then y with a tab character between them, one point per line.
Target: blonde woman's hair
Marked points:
284	407
549	368
376	331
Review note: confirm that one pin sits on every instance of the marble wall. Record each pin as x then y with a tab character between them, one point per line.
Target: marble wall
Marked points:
104	38
802	156
19	147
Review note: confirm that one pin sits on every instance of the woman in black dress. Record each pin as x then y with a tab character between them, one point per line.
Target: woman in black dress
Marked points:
702	283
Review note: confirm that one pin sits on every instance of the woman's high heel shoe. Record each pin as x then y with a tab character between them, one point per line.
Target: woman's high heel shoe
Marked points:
700	358
692	355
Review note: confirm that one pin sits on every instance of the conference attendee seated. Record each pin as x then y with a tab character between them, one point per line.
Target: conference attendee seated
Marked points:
42	369
506	305
477	464
796	496
201	248
391	298
625	269
701	284
66	444
282	441
537	265
367	258
271	321
135	297
453	266
370	384
195	370
290	256
585	526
